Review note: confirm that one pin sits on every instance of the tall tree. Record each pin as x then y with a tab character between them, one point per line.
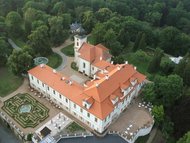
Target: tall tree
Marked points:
39	41
185	138
88	20
158	113
57	33
187	74
5	51
14	22
123	37
103	14
20	62
155	62
137	41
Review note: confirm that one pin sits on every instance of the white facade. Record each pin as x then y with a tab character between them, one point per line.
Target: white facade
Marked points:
79	40
80	112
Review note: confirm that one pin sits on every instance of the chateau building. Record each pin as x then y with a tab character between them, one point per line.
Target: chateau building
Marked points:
99	101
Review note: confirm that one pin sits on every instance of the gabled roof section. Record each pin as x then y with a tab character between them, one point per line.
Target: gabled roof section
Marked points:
103	88
93	53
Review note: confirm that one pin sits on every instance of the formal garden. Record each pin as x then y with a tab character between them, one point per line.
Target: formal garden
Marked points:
25	110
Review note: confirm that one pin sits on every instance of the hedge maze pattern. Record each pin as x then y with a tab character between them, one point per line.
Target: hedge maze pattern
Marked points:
37	114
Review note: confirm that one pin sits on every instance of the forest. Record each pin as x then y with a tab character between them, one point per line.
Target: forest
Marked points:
144	32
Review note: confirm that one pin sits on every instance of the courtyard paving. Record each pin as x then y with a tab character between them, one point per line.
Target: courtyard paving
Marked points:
133	118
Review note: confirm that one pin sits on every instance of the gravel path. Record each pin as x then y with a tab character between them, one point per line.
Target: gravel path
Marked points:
12	43
63	56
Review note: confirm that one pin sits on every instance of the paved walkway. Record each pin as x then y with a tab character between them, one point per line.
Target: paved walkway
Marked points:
63	56
12	43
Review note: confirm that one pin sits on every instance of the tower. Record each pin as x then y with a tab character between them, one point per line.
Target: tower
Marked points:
79	39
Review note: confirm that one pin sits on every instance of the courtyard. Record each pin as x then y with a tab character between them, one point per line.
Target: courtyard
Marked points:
25	110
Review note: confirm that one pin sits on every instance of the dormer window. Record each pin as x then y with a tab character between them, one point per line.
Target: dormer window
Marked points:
87	103
114	99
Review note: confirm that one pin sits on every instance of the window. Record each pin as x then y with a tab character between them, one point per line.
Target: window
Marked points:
48	88
60	96
74	105
92	68
32	77
53	91
84	65
66	100
105	119
96	119
88	114
38	81
42	84
81	110
77	43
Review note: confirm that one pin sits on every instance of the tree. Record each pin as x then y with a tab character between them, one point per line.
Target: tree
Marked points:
3	27
185	138
103	14
5	51
39	41
174	42
20	62
110	40
14	22
58	8
57	33
137	41
166	65
88	20
142	43
98	33
168	89
148	93
158	113
187	74
155	62
123	37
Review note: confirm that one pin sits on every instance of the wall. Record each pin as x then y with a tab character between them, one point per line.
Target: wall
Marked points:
85	70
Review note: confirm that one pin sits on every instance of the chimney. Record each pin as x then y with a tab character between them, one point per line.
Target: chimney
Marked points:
135	68
107	77
42	65
100	58
126	62
62	78
118	68
94	77
70	82
112	62
97	84
54	71
85	85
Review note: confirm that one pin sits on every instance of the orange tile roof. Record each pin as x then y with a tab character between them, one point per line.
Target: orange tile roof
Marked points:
93	53
102	64
97	91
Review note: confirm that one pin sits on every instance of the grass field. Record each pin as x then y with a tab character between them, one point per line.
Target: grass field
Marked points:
74	127
140	60
25	110
54	60
68	50
8	82
91	40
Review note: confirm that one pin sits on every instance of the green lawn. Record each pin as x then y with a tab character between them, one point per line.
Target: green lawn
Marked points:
54	60
74	127
140	60
69	50
91	40
8	82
